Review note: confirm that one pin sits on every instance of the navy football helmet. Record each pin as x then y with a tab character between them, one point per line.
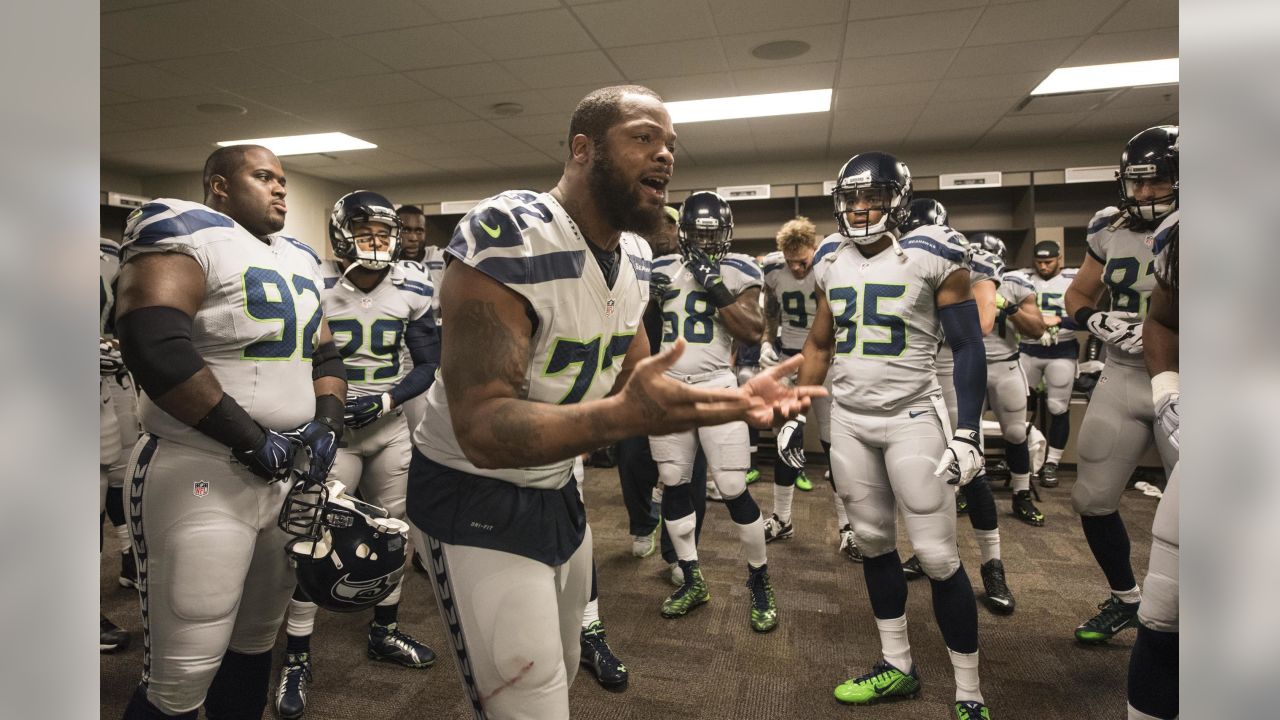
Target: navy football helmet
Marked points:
1152	153
706	224
924	211
988	242
362	207
871	181
348	555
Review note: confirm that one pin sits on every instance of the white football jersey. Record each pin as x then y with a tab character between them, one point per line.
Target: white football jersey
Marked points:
1002	341
527	242
369	328
886	317
797	301
108	268
1164	236
1051	299
1128	270
432	264
687	312
259	322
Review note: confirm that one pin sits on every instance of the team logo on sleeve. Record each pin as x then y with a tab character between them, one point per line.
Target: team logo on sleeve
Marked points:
200	488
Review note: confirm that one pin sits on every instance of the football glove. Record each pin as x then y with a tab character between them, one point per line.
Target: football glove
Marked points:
321	443
791	442
659	284
1122	329
1002	303
272	459
110	361
768	356
708	276
1089	367
962	460
1169	418
362	411
1050	336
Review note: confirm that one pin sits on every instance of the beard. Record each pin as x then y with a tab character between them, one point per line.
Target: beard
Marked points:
618	199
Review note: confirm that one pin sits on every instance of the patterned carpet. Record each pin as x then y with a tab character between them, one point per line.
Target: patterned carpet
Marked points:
711	665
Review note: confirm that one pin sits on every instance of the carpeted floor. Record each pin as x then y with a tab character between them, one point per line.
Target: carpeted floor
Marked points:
711	665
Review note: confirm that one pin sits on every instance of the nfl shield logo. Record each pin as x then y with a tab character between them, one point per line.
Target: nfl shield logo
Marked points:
200	488
608	308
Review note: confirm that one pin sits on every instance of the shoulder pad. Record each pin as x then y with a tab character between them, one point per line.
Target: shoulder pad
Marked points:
827	247
1164	234
1102	219
665	261
171	220
302	246
744	264
937	241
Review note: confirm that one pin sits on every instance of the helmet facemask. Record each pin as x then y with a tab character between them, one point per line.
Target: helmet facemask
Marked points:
707	235
373	246
859	200
1154	209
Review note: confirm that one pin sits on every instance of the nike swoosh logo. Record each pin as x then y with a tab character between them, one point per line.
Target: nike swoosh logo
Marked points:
493	232
917	413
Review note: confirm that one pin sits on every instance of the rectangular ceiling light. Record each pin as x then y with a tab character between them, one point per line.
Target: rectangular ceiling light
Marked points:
1114	75
750	106
306	144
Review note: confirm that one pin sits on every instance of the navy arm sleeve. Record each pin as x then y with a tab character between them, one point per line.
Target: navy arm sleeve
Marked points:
964	336
422	337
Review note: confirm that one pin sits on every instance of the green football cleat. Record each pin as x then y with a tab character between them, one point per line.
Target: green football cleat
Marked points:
1025	510
1115	616
752	475
689	595
883	682
803	482
971	710
764	607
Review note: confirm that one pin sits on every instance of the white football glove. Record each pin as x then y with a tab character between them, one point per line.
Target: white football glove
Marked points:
1089	367
962	460
791	442
768	356
110	361
1122	329
1169	419
1050	336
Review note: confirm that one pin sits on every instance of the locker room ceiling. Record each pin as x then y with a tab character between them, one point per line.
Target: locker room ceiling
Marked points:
420	79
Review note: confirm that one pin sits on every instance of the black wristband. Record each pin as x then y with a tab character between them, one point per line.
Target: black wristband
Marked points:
1082	316
720	295
229	424
329	412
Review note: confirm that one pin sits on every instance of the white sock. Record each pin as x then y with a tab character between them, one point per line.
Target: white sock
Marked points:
752	537
893	642
122	534
988	543
1021	481
1130	596
591	613
1055	454
302	618
782	495
965	666
842	515
681	532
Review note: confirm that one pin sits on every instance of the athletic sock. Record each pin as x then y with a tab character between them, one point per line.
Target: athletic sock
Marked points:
988	543
893	642
591	613
782	496
965	666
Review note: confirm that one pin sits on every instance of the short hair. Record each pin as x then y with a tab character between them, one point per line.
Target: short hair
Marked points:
225	161
797	234
409	210
601	110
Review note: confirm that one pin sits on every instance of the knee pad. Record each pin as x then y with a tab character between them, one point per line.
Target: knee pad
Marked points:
939	560
672	474
742	508
1015	433
872	541
1058	405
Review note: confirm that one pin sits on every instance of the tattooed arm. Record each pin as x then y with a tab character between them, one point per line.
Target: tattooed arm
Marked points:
485	367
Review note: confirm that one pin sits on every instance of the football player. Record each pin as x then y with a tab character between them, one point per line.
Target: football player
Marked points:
790	302
542	300
376	309
1119	424
713	300
883	307
1153	664
220	321
112	448
1052	356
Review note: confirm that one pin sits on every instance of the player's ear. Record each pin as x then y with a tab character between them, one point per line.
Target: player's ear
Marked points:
581	149
218	186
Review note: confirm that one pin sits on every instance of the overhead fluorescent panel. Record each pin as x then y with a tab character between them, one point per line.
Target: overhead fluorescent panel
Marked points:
750	106
1112	75
306	144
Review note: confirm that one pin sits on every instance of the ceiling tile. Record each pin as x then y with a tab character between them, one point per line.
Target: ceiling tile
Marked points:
396	137
419	47
998	59
800	133
147	82
813	76
524	126
1144	15
551	145
869	9
376	89
673	58
824	41
880	96
465	131
987	87
185	29
319	60
960	123
621	23
916	33
454	10
111	59
734	17
853	132
1022	129
189	158
298	97
1116	124
463	80
558	70
160	138
1041	20
692	87
534	102
228	71
1126	47
1155	96
389	115
910	67
342	17
526	35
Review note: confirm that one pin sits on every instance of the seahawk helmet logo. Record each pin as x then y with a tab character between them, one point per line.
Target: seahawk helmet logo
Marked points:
365	591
